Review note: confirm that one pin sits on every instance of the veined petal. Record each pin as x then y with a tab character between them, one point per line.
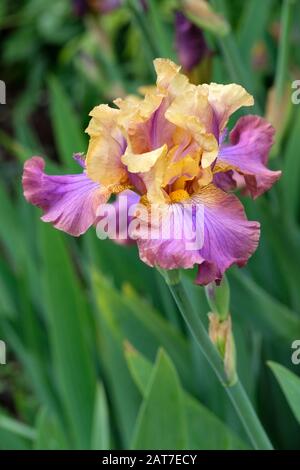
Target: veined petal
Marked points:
153	132
225	180
69	202
250	143
106	146
166	235
229	238
143	122
210	229
117	219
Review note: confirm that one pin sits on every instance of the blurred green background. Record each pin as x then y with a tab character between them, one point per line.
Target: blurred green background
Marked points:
97	354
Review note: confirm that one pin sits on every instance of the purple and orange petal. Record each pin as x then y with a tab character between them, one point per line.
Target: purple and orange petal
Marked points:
165	155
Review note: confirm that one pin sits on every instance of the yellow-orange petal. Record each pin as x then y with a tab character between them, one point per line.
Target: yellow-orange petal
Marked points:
186	168
204	178
192	112
226	99
165	70
211	149
134	114
106	146
142	163
191	108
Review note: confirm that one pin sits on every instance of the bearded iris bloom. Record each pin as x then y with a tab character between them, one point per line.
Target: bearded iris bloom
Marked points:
167	150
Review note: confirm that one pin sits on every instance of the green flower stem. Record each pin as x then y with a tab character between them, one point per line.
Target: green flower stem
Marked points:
237	70
284	46
143	26
236	392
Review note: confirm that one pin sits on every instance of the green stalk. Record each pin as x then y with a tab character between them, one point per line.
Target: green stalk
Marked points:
237	70
284	46
141	23
159	31
236	392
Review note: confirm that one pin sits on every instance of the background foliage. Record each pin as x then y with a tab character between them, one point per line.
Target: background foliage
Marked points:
98	356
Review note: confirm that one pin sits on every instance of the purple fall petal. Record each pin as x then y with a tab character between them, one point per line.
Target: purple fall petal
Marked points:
170	245
69	202
225	181
224	236
229	238
117	217
250	143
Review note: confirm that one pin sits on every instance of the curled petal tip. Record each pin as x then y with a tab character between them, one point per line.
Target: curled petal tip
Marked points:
248	152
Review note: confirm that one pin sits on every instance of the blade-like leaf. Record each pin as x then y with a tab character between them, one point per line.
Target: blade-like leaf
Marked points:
121	388
290	385
204	430
16	427
100	430
161	422
10	441
261	307
252	25
49	435
68	132
140	324
68	326
291	171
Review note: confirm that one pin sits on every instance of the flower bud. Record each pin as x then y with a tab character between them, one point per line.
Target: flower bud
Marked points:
220	333
218	298
201	13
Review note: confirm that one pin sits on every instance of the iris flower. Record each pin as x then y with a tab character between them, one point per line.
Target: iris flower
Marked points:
190	42
167	151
